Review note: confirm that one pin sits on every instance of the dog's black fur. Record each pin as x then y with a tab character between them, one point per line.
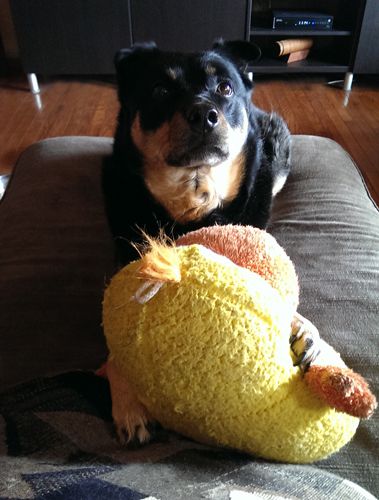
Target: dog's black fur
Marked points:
182	115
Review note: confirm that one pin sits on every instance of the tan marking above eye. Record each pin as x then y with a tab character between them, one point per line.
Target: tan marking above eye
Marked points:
172	73
210	70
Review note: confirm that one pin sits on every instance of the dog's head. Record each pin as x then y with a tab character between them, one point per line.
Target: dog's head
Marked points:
185	111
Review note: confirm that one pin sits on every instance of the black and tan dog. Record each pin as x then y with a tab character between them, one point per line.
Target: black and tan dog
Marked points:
190	149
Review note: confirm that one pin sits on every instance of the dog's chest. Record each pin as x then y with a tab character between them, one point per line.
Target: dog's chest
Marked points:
190	194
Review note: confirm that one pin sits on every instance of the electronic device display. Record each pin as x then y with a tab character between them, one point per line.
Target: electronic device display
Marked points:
301	20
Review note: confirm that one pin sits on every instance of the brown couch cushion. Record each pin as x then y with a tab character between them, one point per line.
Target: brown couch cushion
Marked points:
330	228
55	256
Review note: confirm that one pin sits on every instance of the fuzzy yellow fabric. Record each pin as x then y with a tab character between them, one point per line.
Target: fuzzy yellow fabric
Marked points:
210	358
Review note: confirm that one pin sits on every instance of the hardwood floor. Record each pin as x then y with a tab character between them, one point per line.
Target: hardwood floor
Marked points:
89	107
310	106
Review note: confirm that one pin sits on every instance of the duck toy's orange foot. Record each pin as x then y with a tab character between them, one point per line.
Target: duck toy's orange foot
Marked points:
342	389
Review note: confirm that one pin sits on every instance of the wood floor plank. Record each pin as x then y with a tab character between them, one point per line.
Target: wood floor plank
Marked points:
89	107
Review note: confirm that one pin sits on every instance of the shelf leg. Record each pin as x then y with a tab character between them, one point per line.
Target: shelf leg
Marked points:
33	83
348	82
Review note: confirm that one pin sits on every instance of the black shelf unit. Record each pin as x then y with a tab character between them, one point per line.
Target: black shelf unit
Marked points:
297	33
81	37
312	65
333	50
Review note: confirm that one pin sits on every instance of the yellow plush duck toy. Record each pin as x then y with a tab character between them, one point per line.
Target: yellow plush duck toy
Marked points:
199	338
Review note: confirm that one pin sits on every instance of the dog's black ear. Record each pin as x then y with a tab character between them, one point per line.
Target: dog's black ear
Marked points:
241	52
123	54
130	64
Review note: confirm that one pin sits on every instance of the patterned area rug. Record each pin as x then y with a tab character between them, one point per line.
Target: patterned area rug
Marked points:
57	441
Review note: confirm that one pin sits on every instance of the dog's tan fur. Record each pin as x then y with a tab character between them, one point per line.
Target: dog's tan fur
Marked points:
188	193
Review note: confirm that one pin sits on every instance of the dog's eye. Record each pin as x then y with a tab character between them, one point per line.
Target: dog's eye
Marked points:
225	89
160	91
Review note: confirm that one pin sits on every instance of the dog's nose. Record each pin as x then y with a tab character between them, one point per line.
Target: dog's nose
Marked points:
203	117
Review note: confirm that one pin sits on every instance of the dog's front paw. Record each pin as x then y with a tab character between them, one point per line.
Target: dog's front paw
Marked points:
133	425
305	342
132	421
